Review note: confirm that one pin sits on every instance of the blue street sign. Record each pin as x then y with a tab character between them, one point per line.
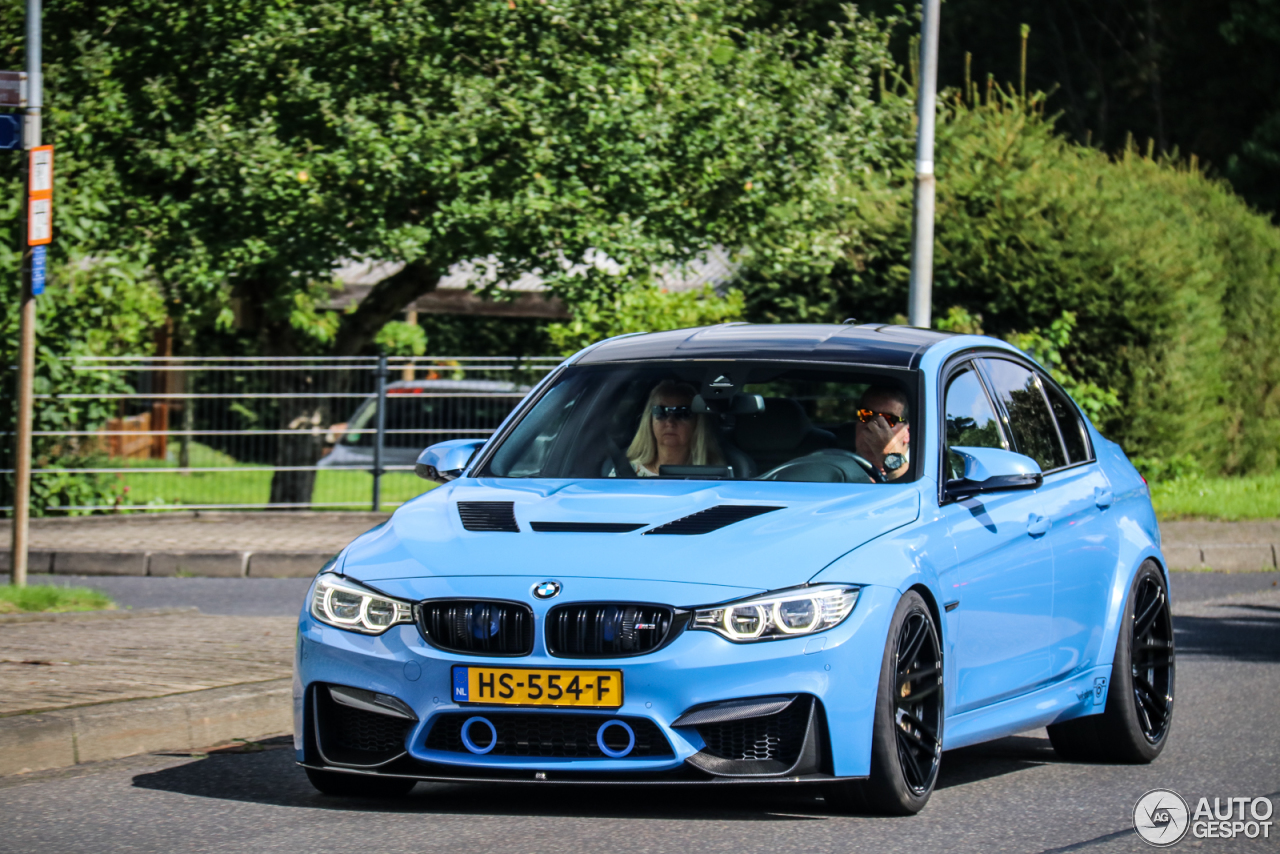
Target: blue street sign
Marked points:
37	269
10	131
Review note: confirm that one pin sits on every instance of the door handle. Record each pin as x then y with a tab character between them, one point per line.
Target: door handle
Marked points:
1103	497
1037	526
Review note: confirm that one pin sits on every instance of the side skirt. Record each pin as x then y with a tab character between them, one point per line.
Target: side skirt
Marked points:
1083	694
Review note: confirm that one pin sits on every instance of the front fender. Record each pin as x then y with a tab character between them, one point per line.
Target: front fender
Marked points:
913	557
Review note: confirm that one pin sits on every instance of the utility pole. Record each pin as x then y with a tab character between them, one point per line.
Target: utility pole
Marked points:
27	334
919	309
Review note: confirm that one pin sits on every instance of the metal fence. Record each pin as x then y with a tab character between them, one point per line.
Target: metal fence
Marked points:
155	434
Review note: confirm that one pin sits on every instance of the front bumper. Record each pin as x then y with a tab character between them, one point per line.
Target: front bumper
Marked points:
834	672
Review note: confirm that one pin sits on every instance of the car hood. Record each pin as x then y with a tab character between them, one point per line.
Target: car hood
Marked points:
816	524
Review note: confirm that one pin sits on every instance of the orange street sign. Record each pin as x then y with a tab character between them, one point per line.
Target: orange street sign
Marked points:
41	181
39	222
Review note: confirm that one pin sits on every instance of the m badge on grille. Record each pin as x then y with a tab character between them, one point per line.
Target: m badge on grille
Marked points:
547	590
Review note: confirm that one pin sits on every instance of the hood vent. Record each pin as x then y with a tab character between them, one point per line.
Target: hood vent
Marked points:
586	527
711	519
488	516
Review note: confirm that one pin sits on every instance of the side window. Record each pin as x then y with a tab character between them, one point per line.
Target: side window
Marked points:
1074	435
1034	431
970	419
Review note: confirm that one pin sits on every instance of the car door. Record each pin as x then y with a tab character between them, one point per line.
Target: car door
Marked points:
999	595
1076	498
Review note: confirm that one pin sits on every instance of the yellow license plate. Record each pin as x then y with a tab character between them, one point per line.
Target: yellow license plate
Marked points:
519	686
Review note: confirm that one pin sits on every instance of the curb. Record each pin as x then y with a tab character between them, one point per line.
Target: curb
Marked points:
1223	557
44	740
202	563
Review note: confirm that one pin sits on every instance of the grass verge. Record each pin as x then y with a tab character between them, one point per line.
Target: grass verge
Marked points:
51	598
1230	499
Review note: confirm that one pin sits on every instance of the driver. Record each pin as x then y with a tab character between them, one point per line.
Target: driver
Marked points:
671	434
883	434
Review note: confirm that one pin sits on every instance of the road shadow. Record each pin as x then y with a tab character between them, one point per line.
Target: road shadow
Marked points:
269	776
994	759
1244	632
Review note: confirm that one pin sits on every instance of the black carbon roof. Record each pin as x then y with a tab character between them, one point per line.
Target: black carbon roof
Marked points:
869	344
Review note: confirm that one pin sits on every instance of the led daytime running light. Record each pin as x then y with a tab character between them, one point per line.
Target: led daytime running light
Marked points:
787	613
344	604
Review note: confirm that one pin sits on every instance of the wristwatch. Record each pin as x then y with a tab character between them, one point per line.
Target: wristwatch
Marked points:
893	462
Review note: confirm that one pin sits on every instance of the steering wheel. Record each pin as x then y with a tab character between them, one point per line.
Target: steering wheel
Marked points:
830	465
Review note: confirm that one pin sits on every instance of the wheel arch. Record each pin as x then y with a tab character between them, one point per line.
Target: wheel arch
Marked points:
932	601
1122	583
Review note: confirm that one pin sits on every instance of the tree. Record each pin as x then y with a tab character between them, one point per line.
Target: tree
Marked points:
257	145
1149	289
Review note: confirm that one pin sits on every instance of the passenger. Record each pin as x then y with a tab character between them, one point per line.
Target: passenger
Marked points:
671	434
883	434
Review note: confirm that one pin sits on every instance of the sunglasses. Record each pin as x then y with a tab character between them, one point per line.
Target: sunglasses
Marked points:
679	413
865	415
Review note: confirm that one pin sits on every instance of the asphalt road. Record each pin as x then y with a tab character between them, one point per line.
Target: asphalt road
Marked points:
1010	795
269	597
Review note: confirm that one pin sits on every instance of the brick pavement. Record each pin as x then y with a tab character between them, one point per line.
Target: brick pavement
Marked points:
199	530
57	664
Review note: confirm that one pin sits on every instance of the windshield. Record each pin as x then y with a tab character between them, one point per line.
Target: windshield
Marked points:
716	421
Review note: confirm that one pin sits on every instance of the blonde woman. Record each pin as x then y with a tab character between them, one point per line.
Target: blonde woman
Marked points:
671	434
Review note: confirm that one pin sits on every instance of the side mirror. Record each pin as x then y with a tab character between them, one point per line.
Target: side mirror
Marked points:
993	470
444	461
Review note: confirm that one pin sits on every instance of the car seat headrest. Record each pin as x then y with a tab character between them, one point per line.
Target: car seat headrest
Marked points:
781	426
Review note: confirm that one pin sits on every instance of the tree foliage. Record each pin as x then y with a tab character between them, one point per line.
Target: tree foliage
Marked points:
255	146
644	309
1149	289
93	306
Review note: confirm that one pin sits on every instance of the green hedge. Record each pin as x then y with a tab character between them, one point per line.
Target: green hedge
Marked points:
1170	281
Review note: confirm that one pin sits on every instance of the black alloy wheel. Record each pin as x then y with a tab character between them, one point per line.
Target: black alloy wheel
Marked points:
1134	725
906	740
917	709
1151	660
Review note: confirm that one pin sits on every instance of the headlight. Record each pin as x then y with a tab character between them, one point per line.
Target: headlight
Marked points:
786	613
351	606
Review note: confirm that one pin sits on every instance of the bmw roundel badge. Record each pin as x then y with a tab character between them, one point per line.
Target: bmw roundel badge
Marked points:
547	590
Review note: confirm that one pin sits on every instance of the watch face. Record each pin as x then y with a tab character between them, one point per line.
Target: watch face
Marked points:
893	462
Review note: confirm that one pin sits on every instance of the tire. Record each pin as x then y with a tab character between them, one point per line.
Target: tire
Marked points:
1134	726
906	738
339	785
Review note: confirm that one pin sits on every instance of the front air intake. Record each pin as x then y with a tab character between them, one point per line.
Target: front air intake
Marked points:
548	734
711	519
359	728
611	630
478	626
493	516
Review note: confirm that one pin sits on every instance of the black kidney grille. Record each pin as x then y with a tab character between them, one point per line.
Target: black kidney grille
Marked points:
549	735
356	729
601	630
479	626
488	516
711	519
779	737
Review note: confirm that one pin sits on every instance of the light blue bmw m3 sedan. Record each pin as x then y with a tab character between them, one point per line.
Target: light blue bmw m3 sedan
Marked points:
748	554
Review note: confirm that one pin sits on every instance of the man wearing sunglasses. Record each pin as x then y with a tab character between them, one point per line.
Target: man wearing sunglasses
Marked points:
883	434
